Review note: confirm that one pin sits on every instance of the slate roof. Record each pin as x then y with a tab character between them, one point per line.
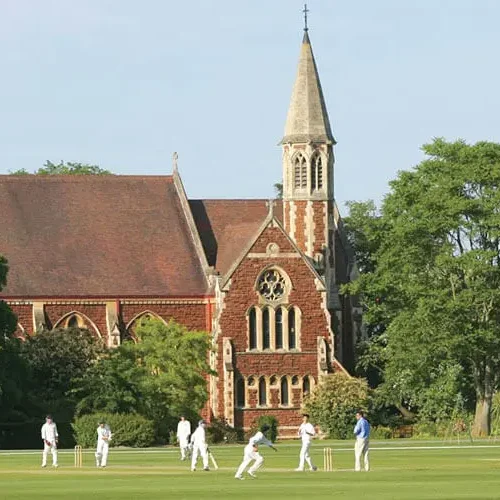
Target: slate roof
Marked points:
94	236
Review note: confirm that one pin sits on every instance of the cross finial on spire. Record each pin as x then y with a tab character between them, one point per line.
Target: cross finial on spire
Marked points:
305	11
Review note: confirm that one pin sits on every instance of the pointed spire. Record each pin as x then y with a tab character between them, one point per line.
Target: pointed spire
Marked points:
307	119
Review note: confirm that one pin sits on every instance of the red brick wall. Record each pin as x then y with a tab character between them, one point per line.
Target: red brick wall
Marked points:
300	224
95	312
24	313
319	226
193	316
242	296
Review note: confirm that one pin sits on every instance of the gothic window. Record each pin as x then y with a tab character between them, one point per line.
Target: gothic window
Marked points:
262	392
73	322
278	328
306	386
292	335
316	172
300	172
252	328
240	392
266	334
271	285
284	391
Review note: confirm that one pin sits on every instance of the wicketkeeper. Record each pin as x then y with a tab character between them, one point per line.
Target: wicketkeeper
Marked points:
103	439
50	438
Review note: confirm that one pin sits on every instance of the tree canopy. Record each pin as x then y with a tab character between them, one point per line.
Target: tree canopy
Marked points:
431	286
64	168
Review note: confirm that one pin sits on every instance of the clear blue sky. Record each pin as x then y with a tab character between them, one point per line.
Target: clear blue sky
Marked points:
124	83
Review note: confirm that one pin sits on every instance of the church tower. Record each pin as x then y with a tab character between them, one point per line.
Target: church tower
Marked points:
308	200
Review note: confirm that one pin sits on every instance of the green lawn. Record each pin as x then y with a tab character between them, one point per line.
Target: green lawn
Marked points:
400	470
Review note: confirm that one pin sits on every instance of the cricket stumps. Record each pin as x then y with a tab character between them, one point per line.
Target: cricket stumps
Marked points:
327	460
78	456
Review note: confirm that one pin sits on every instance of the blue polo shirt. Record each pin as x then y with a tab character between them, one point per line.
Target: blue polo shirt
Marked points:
362	428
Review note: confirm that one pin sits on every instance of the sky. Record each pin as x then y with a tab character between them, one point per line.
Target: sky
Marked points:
123	84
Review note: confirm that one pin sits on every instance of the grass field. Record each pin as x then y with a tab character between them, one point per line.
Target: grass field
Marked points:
400	470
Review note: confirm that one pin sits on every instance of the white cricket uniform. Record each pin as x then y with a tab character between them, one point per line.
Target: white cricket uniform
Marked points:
200	447
183	433
306	433
49	437
251	452
103	439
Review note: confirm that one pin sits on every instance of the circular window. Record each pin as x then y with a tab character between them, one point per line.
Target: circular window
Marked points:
271	285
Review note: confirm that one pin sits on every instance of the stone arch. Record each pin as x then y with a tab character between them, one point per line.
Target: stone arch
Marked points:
76	319
137	318
300	163
20	332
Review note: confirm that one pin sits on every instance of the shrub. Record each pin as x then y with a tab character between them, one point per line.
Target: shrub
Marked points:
220	432
128	430
381	432
271	421
334	402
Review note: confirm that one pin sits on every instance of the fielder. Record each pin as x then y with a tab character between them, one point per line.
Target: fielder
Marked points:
306	433
103	439
251	452
362	433
50	438
183	433
200	447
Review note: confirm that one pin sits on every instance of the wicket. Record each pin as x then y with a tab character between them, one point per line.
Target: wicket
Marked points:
78	456
327	460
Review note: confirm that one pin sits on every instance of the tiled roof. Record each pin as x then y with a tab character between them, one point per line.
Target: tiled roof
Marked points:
226	227
115	236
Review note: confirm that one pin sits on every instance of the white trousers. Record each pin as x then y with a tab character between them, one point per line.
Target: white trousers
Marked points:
199	449
53	449
183	445
248	456
101	454
361	449
305	456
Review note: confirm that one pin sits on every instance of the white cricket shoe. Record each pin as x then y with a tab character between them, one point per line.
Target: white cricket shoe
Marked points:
239	477
252	474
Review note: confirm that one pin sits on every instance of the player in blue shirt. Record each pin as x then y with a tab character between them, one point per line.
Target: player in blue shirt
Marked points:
362	433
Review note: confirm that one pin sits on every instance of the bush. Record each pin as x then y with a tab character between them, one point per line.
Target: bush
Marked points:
220	432
128	430
26	435
381	432
271	421
334	402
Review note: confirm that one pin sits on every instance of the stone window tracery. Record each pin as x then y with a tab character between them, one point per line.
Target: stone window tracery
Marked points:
272	285
300	172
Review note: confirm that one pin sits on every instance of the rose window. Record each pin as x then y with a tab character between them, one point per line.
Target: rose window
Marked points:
271	285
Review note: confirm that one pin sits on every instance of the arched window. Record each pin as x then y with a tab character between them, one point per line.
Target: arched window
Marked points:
262	392
266	334
252	328
73	322
284	391
240	392
306	386
300	172
292	332
279	328
316	172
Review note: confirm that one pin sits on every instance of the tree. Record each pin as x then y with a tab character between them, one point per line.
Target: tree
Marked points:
334	403
278	189
435	281
12	369
56	359
175	368
65	168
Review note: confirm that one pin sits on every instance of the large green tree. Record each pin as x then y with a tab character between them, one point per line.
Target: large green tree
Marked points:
64	168
434	282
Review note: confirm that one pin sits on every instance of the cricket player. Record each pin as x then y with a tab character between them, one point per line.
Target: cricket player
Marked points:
103	439
200	447
306	433
362	433
50	438
183	433
251	452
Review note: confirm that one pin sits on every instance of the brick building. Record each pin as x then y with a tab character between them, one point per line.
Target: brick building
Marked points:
262	277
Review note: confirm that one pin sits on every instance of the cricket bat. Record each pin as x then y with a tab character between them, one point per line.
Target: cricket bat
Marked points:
214	462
